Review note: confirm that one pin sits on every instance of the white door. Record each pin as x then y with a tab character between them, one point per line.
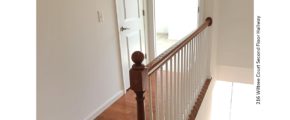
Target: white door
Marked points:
131	33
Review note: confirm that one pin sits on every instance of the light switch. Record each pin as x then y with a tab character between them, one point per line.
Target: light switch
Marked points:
100	16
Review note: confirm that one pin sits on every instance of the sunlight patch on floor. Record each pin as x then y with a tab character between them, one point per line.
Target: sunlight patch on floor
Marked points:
232	101
163	43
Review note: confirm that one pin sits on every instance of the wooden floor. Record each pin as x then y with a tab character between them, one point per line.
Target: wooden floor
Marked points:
125	108
122	109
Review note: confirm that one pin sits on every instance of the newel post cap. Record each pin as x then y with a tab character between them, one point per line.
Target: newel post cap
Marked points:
138	72
137	57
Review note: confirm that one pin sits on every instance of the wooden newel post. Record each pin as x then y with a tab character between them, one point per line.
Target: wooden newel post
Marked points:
138	82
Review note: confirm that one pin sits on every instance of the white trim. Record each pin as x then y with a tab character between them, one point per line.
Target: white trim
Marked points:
120	52
104	106
145	19
150	6
235	74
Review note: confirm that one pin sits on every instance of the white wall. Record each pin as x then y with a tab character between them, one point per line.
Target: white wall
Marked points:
232	44
235	40
78	68
232	38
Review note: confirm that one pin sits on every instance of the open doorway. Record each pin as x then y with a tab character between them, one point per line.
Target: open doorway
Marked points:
174	20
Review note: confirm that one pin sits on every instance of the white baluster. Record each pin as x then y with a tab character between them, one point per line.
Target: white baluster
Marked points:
170	91
187	81
166	92
182	82
179	84
161	94
150	98
198	63
175	89
191	74
157	94
195	65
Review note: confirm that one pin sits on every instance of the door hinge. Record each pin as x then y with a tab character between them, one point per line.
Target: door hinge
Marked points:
143	12
198	10
145	56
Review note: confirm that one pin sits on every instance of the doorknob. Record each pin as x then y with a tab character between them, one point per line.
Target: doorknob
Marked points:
124	28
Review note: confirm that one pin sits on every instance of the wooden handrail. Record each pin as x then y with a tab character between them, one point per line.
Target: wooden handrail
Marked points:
165	56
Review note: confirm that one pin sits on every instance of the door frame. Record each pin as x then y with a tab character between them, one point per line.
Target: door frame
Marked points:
144	5
151	28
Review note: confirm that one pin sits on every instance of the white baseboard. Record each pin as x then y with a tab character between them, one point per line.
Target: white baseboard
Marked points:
104	106
235	74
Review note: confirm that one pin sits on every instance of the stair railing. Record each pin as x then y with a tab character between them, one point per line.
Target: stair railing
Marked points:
176	80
